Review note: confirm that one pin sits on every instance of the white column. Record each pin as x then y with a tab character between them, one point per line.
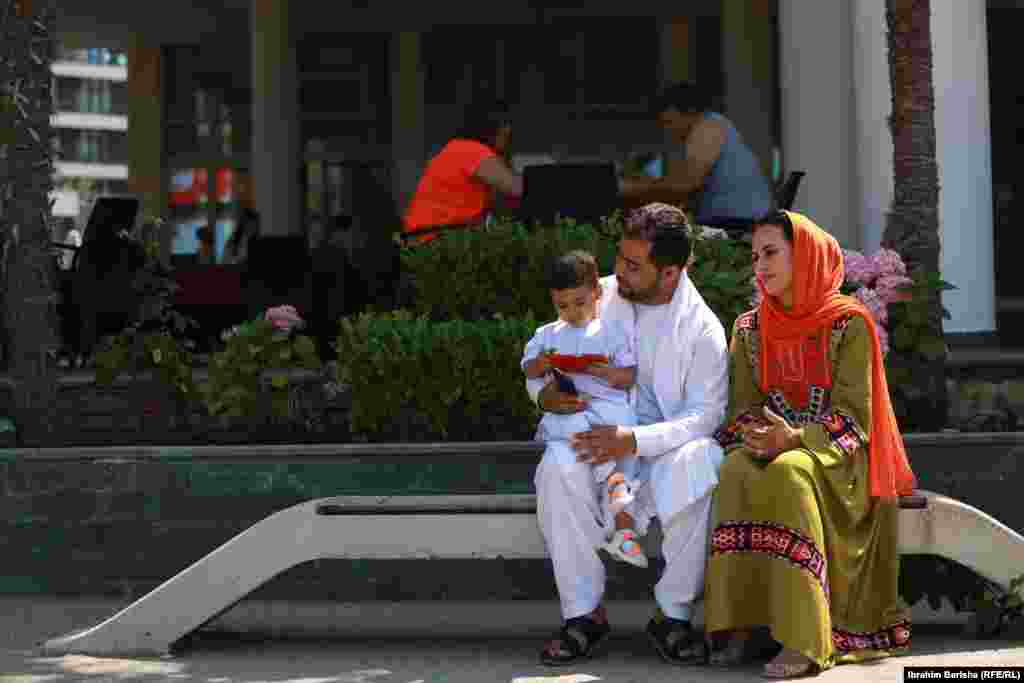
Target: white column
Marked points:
408	111
873	189
276	147
817	111
964	150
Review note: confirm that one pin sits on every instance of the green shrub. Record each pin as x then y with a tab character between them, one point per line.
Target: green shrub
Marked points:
417	380
134	352
722	273
236	381
475	274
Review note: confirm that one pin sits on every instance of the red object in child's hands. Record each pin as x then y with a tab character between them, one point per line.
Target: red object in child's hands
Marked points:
567	363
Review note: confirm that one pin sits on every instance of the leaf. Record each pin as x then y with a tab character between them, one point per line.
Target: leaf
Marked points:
279	381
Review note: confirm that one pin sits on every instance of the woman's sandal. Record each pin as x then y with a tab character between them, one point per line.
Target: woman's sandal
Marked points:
577	639
676	641
736	652
790	664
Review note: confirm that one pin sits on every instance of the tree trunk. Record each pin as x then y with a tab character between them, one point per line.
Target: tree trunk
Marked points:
912	224
27	47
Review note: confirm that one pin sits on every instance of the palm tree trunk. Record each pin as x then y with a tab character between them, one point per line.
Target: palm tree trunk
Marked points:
912	224
27	47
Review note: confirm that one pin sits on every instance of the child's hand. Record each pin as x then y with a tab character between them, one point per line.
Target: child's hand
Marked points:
538	366
541	364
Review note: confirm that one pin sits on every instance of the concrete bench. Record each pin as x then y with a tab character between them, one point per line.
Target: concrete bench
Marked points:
449	527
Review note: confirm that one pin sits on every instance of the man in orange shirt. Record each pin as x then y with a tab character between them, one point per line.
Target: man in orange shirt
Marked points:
457	184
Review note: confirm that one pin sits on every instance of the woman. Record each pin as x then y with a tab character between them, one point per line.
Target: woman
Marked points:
457	185
805	532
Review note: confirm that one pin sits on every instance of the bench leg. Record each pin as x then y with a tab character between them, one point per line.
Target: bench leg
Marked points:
954	530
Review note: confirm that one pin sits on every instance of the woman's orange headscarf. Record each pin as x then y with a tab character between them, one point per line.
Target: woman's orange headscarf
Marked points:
817	276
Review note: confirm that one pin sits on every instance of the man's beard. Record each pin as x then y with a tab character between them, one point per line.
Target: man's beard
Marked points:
642	296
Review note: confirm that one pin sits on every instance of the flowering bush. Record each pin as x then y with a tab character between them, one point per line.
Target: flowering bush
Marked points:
878	281
284	318
898	302
250	348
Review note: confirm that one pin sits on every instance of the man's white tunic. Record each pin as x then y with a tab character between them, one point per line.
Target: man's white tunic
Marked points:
680	399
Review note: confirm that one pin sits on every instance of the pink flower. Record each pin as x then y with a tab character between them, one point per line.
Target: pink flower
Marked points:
874	304
888	262
755	298
859	268
883	339
284	317
891	288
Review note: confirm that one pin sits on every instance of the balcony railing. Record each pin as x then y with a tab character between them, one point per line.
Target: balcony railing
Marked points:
103	72
86	121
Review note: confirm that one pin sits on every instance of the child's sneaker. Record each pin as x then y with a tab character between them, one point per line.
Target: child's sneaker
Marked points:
625	547
619	495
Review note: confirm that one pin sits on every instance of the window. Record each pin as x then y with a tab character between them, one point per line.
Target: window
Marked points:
463	75
604	67
344	89
91	146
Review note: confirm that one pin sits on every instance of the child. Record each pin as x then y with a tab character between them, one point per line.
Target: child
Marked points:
575	293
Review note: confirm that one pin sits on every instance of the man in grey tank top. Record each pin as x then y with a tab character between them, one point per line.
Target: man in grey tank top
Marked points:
719	176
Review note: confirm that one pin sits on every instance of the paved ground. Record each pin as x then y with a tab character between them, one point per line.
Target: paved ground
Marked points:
410	643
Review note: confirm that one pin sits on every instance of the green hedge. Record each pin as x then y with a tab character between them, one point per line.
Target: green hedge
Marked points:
473	275
417	380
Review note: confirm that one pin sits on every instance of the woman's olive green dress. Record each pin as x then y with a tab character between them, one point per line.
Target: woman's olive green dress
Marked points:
798	544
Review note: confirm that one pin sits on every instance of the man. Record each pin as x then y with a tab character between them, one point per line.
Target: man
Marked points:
207	254
681	396
719	175
72	238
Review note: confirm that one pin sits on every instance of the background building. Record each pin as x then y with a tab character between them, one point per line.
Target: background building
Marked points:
90	91
298	96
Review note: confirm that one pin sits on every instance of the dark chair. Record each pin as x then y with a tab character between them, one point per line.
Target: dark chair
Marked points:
785	193
100	290
97	294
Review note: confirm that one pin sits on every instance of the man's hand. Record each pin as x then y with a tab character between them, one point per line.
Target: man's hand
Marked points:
604	443
551	400
767	442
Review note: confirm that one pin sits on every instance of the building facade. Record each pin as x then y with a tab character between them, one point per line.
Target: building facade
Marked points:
90	122
292	98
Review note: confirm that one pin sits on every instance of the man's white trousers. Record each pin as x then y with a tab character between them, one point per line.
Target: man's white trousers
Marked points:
570	514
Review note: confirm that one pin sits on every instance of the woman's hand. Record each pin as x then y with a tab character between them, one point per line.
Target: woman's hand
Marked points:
767	442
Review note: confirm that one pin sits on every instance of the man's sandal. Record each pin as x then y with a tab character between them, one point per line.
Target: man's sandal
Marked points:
677	641
577	639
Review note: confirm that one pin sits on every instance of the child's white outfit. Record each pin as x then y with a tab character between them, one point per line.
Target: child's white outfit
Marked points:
608	405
